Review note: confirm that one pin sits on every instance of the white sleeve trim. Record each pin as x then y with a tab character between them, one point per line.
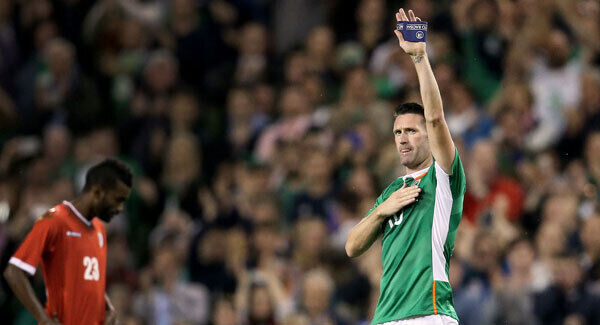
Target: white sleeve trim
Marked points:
22	265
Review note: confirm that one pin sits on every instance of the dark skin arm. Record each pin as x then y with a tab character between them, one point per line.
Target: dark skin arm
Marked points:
20	285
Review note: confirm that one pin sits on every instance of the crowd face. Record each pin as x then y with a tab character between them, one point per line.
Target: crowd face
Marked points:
182	160
294	103
161	72
57	143
550	240
357	88
568	273
239	105
183	8
312	236
261	307
370	12
483	162
592	150
558	49
224	313
562	209
253	40
317	167
590	90
133	36
321	42
183	113
485	252
522	256
317	293
589	235
484	15
60	56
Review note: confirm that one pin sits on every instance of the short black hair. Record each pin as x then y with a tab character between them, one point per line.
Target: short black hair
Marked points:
409	108
107	173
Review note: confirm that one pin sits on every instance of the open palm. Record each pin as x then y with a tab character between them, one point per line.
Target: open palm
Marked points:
411	48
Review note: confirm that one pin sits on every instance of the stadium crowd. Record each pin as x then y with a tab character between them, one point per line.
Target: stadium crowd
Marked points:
260	133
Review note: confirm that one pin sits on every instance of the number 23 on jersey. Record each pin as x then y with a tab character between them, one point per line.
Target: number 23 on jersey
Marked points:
91	272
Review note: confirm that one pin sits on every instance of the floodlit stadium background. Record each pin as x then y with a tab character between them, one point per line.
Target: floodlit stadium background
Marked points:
260	133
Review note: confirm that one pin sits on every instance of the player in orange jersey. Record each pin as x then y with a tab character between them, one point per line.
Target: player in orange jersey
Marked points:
70	242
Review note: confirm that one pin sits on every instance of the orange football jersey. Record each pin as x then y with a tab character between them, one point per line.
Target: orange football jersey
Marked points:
72	251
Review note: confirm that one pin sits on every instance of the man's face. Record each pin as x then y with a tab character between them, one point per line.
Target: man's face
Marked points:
411	139
111	201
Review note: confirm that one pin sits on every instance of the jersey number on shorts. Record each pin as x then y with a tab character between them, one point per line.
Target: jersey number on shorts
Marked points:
91	269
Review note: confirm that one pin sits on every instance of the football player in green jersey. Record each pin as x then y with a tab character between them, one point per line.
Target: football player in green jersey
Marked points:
417	215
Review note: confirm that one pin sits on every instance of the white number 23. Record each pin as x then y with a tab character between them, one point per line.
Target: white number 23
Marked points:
91	269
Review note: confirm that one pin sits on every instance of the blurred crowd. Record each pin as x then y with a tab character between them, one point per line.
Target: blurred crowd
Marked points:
260	133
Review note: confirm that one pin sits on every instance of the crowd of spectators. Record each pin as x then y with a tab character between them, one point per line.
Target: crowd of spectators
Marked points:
260	133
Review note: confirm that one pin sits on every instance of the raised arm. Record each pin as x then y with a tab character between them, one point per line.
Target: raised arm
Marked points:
440	141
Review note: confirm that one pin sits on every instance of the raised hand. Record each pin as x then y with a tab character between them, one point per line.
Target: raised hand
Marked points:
414	49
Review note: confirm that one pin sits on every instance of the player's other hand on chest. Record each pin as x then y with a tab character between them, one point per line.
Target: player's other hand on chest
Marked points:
401	198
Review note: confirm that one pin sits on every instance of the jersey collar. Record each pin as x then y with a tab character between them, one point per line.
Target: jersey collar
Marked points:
77	213
416	175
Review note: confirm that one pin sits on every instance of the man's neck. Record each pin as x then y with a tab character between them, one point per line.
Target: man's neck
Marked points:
81	203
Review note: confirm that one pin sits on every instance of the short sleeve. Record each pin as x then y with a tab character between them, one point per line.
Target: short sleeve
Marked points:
41	239
458	184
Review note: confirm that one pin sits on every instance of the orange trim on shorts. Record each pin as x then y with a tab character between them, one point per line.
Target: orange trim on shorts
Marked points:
434	302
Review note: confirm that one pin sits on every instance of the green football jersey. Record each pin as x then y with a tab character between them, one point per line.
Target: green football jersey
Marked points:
417	245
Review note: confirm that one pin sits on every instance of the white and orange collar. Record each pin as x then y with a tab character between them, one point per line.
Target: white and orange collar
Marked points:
417	175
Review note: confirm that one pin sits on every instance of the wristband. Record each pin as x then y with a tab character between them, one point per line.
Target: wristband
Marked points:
413	31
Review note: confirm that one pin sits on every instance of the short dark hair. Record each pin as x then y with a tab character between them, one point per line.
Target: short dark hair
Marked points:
409	108
107	173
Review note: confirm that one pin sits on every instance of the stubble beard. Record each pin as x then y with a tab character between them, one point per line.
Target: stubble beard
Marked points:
412	160
408	161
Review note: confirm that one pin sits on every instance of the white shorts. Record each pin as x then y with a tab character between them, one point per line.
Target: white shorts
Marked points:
425	320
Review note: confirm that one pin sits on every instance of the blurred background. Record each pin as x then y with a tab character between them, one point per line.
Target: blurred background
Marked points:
260	133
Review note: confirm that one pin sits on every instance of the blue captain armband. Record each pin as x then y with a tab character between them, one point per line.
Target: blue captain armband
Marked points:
413	31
